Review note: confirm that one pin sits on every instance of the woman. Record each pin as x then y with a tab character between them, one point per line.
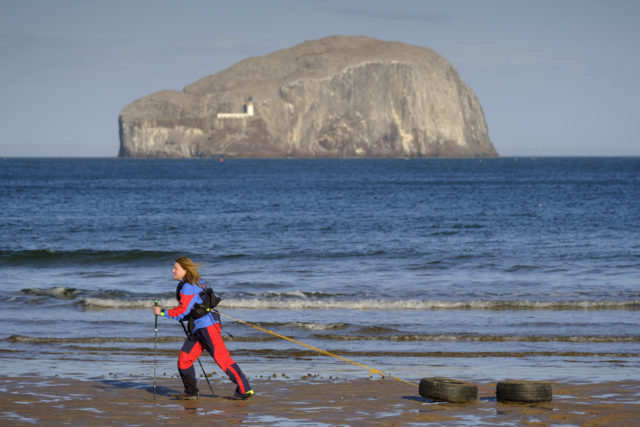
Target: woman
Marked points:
205	333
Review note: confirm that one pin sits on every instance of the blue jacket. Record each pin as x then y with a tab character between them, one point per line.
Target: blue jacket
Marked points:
189	294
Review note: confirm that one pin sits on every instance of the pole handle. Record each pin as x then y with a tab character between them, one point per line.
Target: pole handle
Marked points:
155	304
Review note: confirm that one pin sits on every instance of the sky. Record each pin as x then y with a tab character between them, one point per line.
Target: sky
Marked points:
554	78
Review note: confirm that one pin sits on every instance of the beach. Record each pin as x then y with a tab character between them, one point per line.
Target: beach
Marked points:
296	402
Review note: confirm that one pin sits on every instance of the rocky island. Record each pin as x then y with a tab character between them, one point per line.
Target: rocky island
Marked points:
342	97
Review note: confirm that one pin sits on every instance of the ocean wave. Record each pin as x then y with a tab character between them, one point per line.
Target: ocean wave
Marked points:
107	298
307	326
45	257
309	300
377	304
58	292
478	338
22	339
125	304
295	353
85	340
96	345
289	303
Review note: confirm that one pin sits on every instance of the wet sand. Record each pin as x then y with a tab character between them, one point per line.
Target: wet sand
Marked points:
116	401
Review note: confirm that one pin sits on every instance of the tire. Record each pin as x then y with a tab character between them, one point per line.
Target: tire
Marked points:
523	391
448	390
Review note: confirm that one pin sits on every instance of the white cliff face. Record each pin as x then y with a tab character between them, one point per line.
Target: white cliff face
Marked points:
335	97
147	140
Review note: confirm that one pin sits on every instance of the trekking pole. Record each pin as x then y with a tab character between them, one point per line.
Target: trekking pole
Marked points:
199	361
155	349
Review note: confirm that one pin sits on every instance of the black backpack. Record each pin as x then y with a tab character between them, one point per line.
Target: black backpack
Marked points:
209	301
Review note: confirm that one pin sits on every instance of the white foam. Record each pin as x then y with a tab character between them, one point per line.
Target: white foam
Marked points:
60	292
379	304
126	304
306	303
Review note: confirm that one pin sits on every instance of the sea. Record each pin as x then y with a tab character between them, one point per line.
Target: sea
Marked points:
473	269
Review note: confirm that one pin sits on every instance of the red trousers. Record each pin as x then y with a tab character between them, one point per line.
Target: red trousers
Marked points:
209	339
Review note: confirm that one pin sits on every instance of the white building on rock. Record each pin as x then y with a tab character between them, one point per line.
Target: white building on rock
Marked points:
248	112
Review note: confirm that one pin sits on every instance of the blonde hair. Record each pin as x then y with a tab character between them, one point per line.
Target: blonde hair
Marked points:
192	276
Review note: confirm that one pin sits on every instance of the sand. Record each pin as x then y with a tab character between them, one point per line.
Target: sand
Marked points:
307	401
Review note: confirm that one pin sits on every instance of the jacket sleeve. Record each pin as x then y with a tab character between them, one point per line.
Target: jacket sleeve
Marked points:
188	297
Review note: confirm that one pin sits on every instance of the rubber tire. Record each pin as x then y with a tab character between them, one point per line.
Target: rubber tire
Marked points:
523	391
448	390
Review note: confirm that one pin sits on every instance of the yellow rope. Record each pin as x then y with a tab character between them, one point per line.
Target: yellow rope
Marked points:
371	370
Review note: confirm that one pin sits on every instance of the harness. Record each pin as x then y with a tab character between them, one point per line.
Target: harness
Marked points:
209	301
